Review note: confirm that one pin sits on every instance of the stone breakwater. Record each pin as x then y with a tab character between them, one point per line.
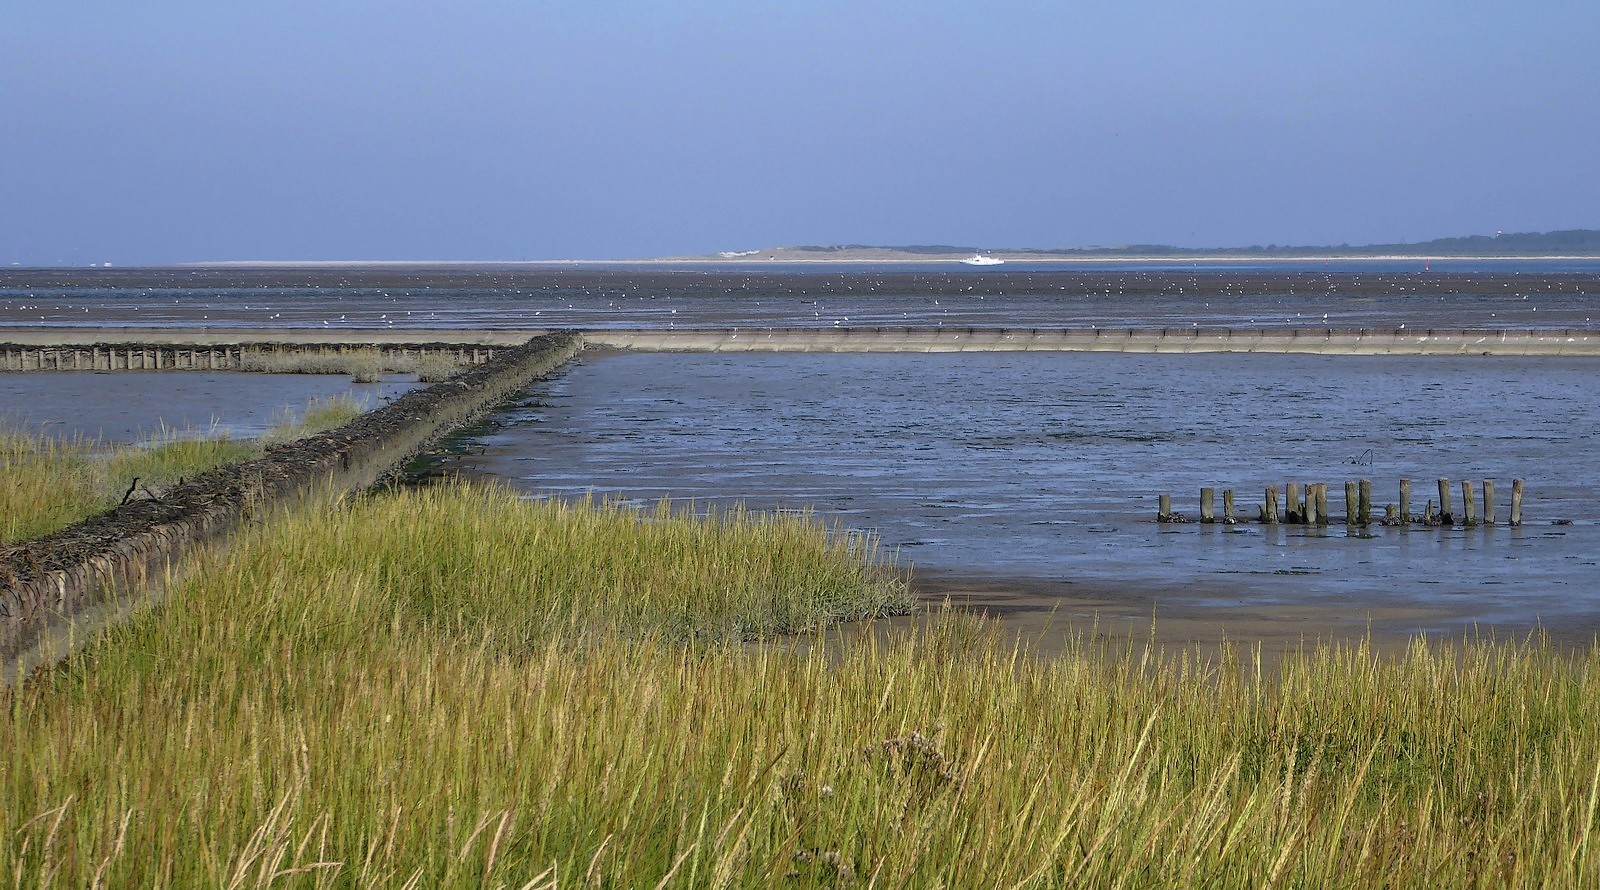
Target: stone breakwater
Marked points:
58	586
1328	341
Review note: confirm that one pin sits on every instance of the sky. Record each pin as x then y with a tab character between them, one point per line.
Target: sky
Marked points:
172	131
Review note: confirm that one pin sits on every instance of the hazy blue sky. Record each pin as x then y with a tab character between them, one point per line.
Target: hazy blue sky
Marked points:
166	131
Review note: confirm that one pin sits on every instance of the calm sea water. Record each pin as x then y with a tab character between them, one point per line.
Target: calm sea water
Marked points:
1048	465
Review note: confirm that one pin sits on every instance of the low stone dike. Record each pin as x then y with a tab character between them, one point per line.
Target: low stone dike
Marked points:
64	583
1328	341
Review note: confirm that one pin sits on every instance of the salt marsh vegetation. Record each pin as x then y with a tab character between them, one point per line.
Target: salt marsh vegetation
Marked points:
363	365
459	687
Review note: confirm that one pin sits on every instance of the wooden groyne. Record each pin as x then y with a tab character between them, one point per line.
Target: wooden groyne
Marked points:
1324	341
39	335
233	349
145	357
53	586
91	350
1311	507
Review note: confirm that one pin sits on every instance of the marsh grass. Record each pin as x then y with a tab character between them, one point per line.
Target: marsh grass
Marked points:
434	368
47	484
457	688
363	365
319	414
44	485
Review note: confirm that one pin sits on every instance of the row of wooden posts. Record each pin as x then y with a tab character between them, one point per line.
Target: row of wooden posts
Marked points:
1311	508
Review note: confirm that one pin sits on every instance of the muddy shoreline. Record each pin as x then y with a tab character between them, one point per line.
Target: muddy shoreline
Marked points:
1048	612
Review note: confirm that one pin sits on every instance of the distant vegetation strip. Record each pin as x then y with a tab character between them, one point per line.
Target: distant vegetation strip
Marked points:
460	687
47	483
1567	242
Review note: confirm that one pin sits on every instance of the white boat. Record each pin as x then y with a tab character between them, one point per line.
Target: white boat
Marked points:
979	259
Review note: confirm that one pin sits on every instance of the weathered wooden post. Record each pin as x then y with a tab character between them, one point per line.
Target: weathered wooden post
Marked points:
1445	518
1293	511
1428	518
1405	500
1350	503
1364	501
1469	504
1164	511
1516	502
1391	515
1322	503
1208	513
1271	512
1488	502
1227	506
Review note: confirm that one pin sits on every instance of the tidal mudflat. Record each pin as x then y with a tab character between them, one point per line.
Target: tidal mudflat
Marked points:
1037	475
1463	294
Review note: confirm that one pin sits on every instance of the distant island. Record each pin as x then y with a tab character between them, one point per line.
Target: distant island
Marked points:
1564	243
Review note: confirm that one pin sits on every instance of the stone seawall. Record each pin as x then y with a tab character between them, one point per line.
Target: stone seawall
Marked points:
1331	341
52	587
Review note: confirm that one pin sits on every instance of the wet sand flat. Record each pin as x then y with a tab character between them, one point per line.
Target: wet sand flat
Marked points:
1047	613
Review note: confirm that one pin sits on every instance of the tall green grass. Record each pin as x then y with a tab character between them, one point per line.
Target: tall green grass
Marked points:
47	484
363	365
458	688
319	415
